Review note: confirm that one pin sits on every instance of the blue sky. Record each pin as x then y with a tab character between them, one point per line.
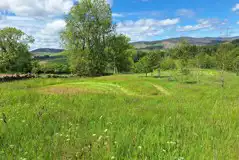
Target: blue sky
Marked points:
139	19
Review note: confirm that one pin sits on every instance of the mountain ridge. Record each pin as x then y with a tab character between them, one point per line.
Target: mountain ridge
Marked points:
160	44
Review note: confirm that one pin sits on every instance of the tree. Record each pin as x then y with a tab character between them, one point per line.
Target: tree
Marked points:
14	54
148	63
223	59
88	25
143	66
236	66
119	53
183	53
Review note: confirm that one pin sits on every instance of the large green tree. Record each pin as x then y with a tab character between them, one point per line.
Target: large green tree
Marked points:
85	37
119	53
14	54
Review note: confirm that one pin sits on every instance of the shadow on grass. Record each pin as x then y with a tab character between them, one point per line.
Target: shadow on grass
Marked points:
190	82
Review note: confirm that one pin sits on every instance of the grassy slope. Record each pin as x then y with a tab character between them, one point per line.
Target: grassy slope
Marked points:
58	58
121	117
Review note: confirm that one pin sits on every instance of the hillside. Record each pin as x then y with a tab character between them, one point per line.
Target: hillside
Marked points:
169	43
47	50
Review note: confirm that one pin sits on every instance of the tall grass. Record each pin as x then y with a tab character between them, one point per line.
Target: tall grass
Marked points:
196	121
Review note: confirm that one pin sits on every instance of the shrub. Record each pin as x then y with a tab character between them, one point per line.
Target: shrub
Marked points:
168	64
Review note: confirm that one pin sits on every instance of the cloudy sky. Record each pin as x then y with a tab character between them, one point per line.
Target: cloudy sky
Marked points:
138	19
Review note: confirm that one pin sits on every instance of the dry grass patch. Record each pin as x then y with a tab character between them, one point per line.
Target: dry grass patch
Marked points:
67	90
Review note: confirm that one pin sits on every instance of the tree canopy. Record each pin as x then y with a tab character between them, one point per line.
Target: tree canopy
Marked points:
14	54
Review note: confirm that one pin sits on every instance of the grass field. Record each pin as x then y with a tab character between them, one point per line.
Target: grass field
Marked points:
120	117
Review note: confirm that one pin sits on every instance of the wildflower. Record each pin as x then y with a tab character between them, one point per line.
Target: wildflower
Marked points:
112	157
93	135
11	146
180	158
139	147
100	137
68	139
171	142
23	121
105	130
115	142
164	150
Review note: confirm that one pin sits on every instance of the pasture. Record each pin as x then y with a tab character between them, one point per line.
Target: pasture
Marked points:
120	117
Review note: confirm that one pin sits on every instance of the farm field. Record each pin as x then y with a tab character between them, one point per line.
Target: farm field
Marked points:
120	117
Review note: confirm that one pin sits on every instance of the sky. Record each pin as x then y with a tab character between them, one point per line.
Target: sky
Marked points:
141	20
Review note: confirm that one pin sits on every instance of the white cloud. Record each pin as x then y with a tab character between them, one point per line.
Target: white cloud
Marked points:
54	27
236	8
44	31
38	8
117	15
202	24
186	13
144	28
238	22
35	18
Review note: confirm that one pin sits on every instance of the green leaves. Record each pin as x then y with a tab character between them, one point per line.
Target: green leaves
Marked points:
14	55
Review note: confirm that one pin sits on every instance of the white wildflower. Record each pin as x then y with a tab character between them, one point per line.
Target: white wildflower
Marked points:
100	137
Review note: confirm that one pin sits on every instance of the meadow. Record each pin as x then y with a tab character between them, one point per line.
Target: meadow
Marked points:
120	117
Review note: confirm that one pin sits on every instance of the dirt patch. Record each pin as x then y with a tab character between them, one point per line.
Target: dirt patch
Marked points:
67	90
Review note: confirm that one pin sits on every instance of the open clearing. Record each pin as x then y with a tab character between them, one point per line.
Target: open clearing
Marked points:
120	117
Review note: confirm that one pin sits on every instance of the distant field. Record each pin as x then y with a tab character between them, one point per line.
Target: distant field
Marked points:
120	117
45	57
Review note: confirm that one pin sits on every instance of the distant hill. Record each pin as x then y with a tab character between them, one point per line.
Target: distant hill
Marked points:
47	50
170	43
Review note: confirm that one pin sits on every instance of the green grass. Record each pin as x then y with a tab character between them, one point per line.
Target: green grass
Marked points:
120	117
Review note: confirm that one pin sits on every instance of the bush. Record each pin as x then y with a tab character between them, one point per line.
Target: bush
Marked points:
53	68
168	64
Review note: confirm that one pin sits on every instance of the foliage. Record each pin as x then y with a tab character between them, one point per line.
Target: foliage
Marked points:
148	63
183	52
53	68
236	65
88	26
14	54
119	53
168	64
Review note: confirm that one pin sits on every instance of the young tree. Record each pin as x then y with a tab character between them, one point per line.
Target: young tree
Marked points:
148	63
183	53
14	54
143	66
236	66
88	25
223	59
